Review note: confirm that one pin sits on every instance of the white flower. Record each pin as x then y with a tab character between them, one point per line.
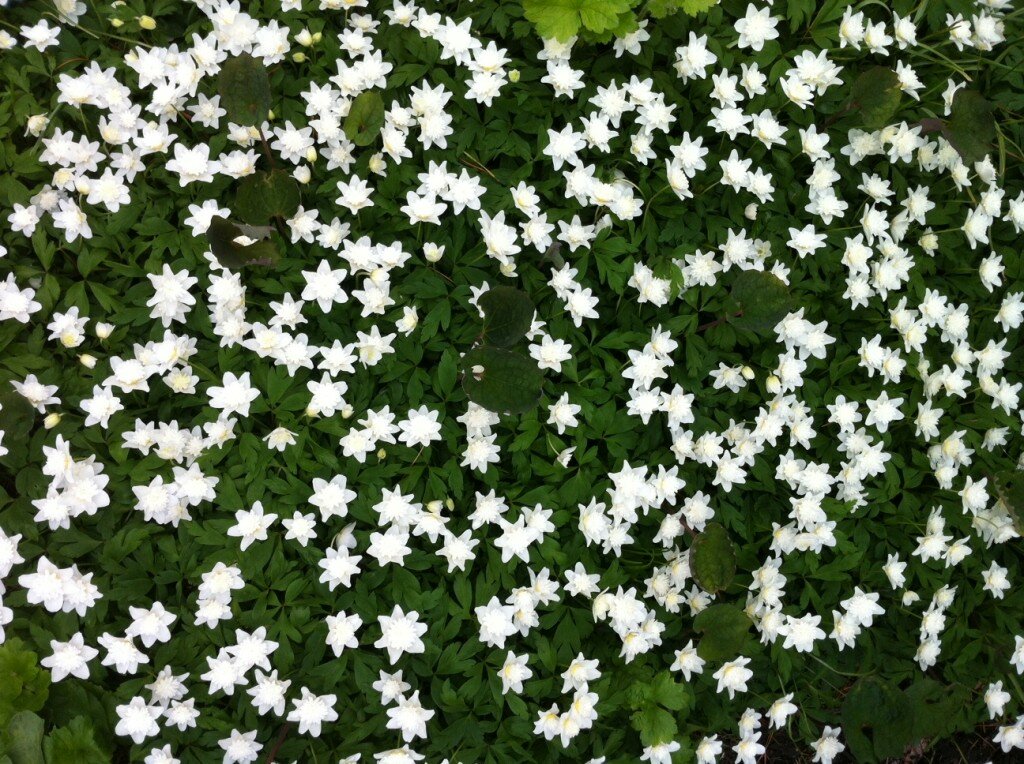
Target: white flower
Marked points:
400	633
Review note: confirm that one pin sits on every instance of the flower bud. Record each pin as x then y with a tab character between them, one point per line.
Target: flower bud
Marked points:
302	174
450	503
36	125
104	330
513	76
51	421
347	412
304	38
750	213
317	37
299	57
88	361
432	252
434	506
311	154
747	372
382	453
147	22
116	23
773	385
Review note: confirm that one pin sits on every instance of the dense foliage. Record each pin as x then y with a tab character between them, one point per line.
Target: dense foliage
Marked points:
553	380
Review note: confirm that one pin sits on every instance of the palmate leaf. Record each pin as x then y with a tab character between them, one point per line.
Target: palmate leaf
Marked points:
562	19
23	739
244	87
508	314
878	719
501	380
74	744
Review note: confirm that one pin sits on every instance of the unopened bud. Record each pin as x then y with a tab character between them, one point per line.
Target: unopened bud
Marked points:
317	37
432	252
382	453
88	361
513	75
311	154
270	115
51	421
434	506
37	124
773	384
104	330
302	174
347	412
147	22
747	372
116	23
298	57
450	503
750	213
304	38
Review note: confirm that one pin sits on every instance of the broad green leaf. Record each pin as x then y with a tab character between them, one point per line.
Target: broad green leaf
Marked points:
16	415
24	685
1009	491
74	744
763	300
939	709
244	88
876	96
508	314
266	195
562	19
501	380
712	558
655	725
878	720
23	738
724	628
223	236
666	691
365	118
971	128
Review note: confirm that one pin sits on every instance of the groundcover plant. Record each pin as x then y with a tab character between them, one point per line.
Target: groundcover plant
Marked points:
555	380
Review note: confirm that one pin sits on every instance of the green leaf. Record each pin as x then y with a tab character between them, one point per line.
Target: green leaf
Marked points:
244	88
23	738
939	709
365	118
763	299
16	415
562	19
878	720
1009	490
876	96
971	128
713	559
266	195
24	685
669	693
655	725
74	744
501	381
508	314
725	629
231	254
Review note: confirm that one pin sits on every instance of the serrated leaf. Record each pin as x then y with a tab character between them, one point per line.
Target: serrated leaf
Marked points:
763	299
244	88
16	414
655	725
23	684
223	235
725	628
265	195
508	314
876	96
666	691
365	118
74	743
501	380
562	19
712	558
971	128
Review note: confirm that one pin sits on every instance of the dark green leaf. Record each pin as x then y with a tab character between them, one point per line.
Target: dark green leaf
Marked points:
508	314
266	195
231	254
501	381
763	299
23	738
725	629
878	719
365	118
713	559
971	128
244	88
876	96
